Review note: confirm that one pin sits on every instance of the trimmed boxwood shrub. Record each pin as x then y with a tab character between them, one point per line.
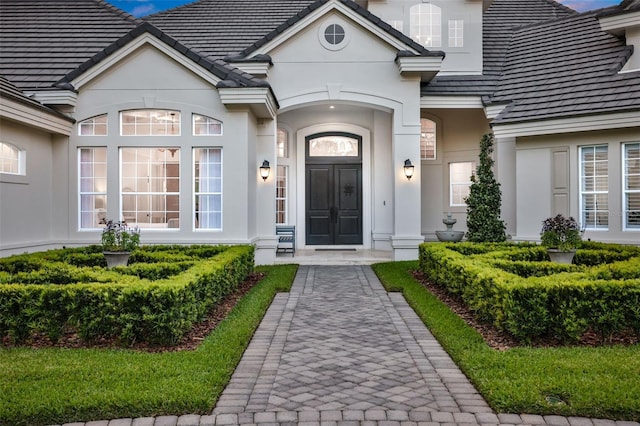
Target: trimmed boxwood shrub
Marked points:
537	299
124	306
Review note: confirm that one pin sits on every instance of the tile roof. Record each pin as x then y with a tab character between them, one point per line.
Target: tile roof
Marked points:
42	40
218	28
230	76
500	21
566	67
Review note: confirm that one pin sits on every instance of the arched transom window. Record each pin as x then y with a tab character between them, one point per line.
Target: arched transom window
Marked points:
11	159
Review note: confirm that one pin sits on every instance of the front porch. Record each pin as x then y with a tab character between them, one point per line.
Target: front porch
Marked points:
335	257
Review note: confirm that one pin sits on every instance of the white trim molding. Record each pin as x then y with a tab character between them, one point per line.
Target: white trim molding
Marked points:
451	102
569	125
425	66
260	100
35	117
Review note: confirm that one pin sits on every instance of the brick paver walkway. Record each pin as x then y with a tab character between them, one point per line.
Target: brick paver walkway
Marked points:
339	350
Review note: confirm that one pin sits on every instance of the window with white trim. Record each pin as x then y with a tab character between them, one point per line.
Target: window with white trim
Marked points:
150	122
281	194
282	144
631	187
425	24
12	160
456	33
398	24
207	184
459	182
94	126
594	187
427	139
92	184
150	186
206	126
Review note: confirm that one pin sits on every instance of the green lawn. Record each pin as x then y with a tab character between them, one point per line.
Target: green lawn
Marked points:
52	386
593	382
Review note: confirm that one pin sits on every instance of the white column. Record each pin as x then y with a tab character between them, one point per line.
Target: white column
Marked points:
505	153
265	194
407	193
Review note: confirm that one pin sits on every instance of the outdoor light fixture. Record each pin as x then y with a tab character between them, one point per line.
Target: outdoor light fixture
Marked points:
408	169
265	170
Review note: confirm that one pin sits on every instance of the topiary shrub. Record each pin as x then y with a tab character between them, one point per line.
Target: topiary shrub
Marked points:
484	200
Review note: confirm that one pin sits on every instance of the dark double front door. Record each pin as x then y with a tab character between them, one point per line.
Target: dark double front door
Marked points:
334	204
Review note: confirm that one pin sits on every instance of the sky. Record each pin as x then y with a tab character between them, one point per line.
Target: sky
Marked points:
147	7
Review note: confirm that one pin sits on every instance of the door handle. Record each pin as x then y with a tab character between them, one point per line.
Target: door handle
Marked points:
333	213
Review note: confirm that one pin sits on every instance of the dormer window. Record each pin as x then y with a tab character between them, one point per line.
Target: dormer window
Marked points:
425	24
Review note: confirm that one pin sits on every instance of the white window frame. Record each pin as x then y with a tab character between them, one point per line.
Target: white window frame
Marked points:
625	191
167	152
207	124
425	24
282	143
282	175
198	219
12	160
151	122
87	199
461	183
95	126
594	192
456	33
424	139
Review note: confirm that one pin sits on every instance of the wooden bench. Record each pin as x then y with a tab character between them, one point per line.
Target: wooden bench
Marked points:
286	239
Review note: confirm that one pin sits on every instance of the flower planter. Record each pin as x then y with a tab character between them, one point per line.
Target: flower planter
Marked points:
116	258
560	256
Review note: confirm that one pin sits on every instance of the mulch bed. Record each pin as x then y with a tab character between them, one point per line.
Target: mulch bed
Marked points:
190	341
501	340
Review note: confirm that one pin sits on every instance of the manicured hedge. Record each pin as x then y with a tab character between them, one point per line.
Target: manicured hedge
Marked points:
514	287
136	303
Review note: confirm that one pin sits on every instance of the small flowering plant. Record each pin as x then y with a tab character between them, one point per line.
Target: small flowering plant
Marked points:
560	232
117	236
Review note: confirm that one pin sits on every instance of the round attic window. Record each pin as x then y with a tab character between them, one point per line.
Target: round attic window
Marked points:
333	36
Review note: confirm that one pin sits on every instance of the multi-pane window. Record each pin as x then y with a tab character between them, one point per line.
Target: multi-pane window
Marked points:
632	186
150	122
281	194
150	186
594	187
206	126
282	144
427	139
10	159
459	182
94	126
425	24
92	166
397	24
456	33
207	184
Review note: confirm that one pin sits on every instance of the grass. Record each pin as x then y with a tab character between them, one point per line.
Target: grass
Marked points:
49	386
601	382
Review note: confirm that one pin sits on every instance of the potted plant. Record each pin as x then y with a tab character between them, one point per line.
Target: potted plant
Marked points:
561	236
118	241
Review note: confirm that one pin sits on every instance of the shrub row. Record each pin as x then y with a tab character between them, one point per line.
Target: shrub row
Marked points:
538	299
130	309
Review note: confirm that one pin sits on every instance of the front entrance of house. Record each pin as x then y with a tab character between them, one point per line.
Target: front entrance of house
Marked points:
333	183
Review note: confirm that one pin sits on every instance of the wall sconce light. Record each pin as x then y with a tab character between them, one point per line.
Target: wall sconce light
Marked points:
265	170
408	169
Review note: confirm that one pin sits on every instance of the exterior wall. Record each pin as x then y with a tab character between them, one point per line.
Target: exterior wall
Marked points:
458	135
459	60
543	165
149	79
27	220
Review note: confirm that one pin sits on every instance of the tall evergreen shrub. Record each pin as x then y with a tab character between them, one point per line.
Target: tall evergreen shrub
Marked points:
484	200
